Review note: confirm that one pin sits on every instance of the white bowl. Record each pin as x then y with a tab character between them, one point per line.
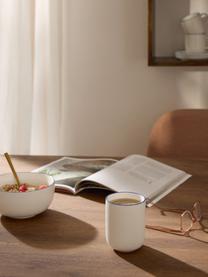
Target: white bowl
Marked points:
26	204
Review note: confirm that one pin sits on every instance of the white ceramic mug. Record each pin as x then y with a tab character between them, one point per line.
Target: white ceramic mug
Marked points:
195	43
194	23
125	223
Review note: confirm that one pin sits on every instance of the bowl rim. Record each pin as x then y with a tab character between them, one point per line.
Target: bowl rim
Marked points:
35	173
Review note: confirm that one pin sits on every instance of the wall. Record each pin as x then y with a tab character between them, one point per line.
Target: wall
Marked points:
111	96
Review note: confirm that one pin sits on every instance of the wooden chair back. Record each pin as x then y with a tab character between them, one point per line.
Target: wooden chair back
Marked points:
180	134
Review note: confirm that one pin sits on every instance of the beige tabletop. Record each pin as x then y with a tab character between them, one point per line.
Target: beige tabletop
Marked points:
69	240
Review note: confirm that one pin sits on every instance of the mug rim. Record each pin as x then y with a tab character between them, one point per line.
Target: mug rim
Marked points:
126	192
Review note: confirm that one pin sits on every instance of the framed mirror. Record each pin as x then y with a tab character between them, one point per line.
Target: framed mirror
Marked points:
165	34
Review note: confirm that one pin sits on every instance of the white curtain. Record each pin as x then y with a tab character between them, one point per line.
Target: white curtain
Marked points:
30	76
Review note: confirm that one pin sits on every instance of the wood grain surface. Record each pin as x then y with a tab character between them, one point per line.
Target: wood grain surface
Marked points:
69	240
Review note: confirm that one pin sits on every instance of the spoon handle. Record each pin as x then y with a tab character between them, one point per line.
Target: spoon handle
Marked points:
12	168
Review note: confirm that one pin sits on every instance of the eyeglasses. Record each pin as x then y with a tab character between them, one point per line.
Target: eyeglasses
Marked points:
188	218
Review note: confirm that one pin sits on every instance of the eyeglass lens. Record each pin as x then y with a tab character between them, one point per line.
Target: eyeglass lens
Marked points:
197	211
186	221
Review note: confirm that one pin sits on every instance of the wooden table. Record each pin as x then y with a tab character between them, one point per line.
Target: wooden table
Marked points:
68	239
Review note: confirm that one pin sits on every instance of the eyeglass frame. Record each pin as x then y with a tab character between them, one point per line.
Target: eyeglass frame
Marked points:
181	231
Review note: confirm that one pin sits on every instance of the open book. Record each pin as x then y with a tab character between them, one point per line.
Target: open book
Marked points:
135	173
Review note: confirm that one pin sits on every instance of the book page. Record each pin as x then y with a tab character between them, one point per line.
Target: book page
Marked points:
140	174
67	171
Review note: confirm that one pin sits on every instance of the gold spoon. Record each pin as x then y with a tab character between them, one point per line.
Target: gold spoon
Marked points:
12	168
